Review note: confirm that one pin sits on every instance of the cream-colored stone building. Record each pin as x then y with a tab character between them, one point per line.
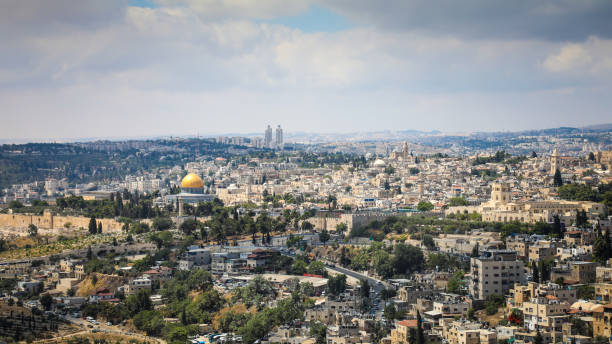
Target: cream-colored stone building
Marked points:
495	272
401	333
545	313
500	208
459	332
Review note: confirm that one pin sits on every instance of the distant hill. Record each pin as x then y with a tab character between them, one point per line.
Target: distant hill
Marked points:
600	127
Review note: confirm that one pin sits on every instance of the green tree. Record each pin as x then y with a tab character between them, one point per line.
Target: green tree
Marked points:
100	227
341	228
317	268
15	204
536	273
557	228
493	303
319	332
420	338
390	312
162	239
557	179
307	226
581	218
46	301
544	270
457	201
580	192
364	288
324	236
336	284
139	302
93	227
299	267
538	338
189	226
32	230
162	223
591	156
407	259
425	206
429	242
471	314
475	251
152	322
455	284
602	251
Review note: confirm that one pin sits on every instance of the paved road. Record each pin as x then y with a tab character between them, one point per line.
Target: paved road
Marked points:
103	328
375	284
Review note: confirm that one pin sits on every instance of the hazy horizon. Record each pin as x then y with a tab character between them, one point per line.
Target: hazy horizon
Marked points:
139	68
288	135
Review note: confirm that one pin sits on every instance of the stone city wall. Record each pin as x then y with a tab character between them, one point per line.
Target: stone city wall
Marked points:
49	222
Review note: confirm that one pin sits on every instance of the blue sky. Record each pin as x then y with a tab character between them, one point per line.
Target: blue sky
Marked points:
314	19
142	3
180	67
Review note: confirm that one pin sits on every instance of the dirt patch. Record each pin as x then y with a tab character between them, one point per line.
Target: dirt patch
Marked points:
111	282
494	319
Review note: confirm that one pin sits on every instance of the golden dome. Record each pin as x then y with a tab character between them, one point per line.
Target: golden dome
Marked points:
192	181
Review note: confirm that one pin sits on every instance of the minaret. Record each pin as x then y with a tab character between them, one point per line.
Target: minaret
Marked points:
554	162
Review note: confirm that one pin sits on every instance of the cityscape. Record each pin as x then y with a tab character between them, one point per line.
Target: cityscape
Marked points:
320	172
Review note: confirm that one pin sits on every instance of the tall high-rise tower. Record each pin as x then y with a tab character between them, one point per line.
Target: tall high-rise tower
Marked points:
279	137
268	137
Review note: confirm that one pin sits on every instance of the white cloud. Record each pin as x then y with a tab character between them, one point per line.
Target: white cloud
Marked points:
244	9
154	69
594	57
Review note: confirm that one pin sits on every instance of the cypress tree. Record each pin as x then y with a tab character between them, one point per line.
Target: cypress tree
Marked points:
184	317
93	228
557	230
420	335
557	180
475	251
544	273
608	245
100	227
412	336
536	274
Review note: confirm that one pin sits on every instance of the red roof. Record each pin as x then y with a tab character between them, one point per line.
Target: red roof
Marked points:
408	323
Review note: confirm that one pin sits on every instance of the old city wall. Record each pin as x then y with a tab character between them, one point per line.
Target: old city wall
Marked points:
49	221
329	222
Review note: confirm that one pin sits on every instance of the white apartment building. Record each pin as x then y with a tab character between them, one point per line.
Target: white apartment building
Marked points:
137	284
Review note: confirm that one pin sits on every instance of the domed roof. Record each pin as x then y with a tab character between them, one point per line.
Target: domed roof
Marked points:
192	181
379	163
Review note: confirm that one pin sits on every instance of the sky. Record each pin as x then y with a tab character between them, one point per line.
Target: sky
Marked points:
133	68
